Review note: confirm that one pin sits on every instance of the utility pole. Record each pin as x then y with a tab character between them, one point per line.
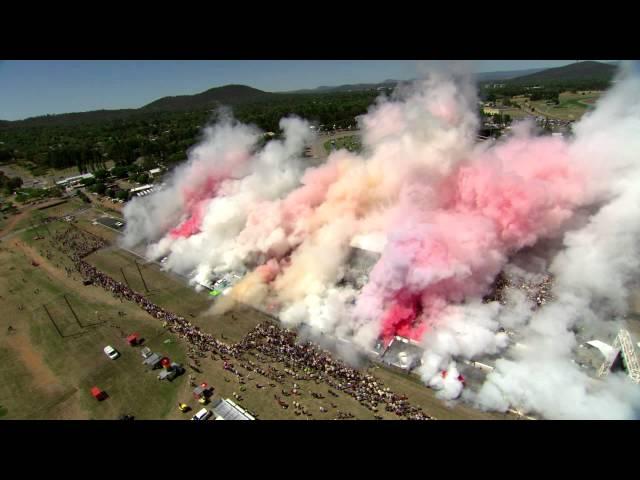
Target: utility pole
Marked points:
125	278
35	227
141	277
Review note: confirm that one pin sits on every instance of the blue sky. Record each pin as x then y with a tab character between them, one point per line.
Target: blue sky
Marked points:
29	88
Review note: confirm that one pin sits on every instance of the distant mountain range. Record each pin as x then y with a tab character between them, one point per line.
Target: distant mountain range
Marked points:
350	87
480	77
505	75
233	95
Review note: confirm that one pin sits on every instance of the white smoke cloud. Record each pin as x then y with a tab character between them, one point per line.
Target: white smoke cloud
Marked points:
593	274
451	214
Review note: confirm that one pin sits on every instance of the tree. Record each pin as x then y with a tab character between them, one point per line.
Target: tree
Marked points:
83	196
14	183
99	188
142	178
149	163
87	182
119	171
100	174
5	155
123	195
111	193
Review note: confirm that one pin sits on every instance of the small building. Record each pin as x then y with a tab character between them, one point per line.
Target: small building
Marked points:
225	409
142	190
73	181
133	339
154	172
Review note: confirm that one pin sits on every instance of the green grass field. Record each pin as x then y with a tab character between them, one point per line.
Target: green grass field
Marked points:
35	215
173	293
351	143
571	107
47	375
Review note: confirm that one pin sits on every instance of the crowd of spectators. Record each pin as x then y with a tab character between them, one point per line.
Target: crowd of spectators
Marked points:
303	360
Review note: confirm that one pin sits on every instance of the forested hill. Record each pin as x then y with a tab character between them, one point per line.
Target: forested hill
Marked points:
161	136
70	119
576	72
251	103
228	95
231	95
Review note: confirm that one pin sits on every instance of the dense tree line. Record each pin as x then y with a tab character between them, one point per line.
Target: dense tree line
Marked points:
165	137
9	184
160	137
549	90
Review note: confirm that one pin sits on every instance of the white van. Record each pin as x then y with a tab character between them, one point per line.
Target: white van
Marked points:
202	415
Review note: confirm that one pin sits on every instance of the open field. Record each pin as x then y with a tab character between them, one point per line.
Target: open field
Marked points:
572	105
55	356
34	214
516	113
48	375
351	143
37	213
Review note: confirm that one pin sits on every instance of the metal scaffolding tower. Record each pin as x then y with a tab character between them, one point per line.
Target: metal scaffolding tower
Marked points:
622	346
629	355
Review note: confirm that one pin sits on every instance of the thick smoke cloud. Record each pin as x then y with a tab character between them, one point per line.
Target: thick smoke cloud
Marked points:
449	213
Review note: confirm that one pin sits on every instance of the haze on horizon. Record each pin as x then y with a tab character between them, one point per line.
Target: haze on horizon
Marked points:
33	88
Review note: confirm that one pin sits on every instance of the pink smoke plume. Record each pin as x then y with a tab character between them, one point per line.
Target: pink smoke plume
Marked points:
195	205
502	200
202	188
290	215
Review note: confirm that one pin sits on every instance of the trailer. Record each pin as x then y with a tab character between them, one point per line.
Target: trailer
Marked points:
153	361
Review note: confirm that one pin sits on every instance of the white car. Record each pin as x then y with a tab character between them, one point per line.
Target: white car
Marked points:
202	415
119	224
111	352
